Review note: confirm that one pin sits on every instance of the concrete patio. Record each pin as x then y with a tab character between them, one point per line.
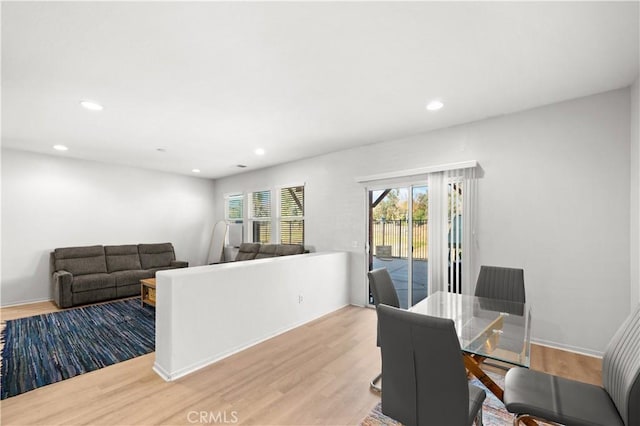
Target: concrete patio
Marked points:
399	270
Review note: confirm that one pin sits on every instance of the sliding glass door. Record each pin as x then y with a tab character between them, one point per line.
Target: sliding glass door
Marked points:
398	234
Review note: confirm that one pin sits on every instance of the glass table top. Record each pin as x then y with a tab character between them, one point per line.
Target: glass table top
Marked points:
491	328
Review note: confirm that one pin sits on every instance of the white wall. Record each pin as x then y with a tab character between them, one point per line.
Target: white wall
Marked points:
554	199
52	201
208	313
635	194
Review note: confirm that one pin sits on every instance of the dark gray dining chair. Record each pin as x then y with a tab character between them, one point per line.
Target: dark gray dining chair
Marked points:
497	285
495	282
537	395
425	382
383	292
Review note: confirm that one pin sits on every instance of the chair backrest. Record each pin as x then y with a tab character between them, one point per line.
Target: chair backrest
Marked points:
382	288
495	282
423	375
621	369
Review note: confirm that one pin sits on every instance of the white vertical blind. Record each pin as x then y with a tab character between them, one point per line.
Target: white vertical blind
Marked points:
437	232
455	219
469	236
452	224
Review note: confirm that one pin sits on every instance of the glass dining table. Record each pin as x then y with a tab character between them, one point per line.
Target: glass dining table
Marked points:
487	328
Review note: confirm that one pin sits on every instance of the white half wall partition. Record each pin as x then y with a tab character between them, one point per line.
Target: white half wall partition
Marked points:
207	313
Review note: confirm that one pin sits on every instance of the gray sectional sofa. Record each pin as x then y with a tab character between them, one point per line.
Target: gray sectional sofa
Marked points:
90	274
249	251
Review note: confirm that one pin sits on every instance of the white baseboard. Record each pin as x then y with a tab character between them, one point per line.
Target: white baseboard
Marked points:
25	302
568	348
161	372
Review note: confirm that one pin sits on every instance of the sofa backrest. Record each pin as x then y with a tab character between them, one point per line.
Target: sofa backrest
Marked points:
122	258
156	255
289	249
248	251
80	260
267	250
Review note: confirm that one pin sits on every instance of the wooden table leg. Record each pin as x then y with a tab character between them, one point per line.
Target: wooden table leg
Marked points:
474	368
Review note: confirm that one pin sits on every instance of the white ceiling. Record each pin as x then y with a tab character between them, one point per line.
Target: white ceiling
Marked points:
211	82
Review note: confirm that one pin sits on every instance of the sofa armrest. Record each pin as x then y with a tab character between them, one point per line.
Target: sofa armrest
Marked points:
179	264
62	288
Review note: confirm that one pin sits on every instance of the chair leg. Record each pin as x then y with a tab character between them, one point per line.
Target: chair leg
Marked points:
479	417
373	385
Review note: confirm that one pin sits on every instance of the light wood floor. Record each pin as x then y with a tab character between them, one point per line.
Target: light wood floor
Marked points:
315	374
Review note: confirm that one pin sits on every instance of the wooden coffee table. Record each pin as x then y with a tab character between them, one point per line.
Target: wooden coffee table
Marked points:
148	291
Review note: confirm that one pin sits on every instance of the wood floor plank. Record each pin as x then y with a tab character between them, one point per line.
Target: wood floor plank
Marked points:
316	374
572	365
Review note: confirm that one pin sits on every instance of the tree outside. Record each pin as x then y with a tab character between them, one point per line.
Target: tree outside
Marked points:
390	221
395	205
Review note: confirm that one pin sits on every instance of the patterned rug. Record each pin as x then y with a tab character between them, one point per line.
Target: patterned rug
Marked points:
45	349
494	413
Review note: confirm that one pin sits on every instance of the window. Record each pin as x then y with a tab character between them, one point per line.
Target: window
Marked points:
234	208
234	215
292	215
260	216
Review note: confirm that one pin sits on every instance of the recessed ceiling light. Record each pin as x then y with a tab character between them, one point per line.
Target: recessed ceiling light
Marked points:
195	170
60	148
161	149
434	105
241	166
90	105
259	151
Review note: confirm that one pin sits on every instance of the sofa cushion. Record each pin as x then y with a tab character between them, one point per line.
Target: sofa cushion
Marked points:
266	250
122	258
248	251
289	249
156	255
82	297
92	282
131	277
81	260
128	290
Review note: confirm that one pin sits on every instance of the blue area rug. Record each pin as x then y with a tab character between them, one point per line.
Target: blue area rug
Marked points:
45	349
